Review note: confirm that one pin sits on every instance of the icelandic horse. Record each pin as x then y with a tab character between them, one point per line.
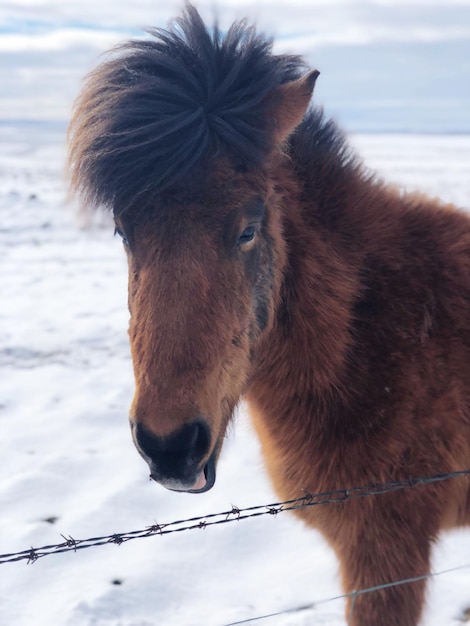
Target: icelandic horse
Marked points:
266	263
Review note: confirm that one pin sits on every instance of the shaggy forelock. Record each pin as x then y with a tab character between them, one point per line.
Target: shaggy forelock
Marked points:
161	107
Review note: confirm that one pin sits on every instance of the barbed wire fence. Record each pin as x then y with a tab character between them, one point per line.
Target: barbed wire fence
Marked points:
235	514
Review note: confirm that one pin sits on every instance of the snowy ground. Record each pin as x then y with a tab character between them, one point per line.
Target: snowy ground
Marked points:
67	464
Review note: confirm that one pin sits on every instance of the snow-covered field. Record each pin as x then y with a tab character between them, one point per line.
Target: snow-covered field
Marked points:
67	463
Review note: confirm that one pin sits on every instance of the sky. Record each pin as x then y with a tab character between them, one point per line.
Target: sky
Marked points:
385	66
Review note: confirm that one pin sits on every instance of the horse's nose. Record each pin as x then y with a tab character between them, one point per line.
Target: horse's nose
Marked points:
175	460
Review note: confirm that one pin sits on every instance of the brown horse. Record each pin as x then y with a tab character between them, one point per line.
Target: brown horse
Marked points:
265	263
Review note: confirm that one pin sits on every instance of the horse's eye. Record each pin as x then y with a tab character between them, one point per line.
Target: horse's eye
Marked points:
119	233
247	235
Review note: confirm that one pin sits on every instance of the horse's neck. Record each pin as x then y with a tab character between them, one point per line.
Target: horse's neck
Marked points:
322	278
305	357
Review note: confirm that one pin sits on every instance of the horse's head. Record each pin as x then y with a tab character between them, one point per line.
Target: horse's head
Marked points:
202	274
179	135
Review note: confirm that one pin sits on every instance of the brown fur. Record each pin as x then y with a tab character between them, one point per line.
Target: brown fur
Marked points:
344	322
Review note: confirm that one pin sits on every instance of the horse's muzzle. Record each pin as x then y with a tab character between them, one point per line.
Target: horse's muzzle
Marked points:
175	461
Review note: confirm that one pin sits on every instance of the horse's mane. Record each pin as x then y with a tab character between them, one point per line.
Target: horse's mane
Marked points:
160	107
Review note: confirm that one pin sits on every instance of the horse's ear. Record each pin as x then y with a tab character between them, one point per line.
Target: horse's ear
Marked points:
289	105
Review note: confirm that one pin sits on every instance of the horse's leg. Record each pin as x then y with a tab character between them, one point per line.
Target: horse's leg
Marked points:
400	605
387	546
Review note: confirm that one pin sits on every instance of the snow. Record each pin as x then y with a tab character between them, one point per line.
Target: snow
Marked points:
68	466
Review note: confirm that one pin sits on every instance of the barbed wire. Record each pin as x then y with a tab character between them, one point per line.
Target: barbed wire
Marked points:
352	594
70	544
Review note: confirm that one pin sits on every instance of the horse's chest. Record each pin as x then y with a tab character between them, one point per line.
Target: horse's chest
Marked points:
296	460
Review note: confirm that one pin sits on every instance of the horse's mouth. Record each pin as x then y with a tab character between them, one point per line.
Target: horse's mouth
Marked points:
207	477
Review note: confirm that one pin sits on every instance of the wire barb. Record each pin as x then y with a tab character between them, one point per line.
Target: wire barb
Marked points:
70	542
235	511
32	556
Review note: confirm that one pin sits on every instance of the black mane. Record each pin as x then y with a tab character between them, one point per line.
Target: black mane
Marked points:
161	107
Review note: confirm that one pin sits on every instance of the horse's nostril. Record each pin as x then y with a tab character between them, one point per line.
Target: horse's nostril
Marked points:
200	440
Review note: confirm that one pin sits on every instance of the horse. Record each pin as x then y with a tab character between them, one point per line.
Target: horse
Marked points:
267	263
